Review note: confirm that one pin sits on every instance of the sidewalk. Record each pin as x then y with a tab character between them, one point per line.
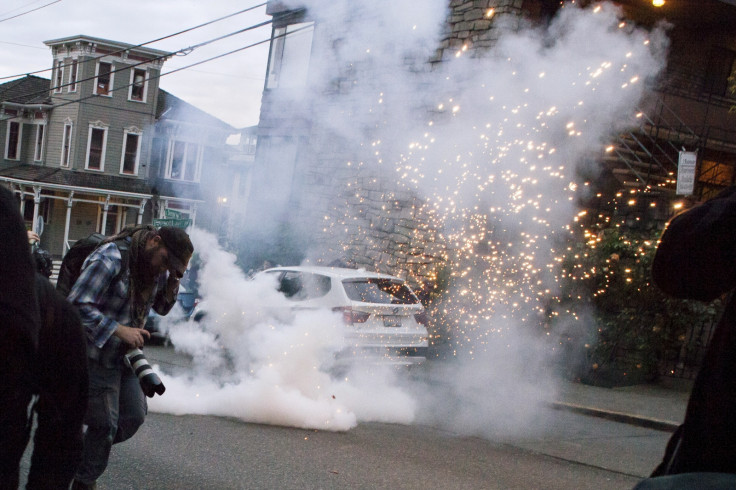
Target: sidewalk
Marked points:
655	406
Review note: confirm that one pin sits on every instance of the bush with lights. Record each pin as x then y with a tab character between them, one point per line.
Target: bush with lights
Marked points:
629	327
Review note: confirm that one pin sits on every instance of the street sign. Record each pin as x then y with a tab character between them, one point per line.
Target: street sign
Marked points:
174	222
172	213
686	173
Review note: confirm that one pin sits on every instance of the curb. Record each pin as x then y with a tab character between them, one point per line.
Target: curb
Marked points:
638	420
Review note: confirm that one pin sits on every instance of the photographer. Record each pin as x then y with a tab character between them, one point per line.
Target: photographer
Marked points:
113	308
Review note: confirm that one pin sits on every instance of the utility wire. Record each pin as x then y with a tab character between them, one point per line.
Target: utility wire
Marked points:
64	65
21	7
77	101
29	11
25	46
183	51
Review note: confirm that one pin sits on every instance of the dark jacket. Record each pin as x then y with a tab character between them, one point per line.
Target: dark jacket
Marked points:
19	326
696	259
42	352
61	382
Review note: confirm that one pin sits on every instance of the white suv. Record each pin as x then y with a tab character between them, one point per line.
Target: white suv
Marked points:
384	317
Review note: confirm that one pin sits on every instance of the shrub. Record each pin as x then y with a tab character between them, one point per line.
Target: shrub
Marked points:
633	325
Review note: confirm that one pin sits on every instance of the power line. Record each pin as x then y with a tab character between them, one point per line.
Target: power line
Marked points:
21	7
29	11
229	75
75	101
25	46
142	44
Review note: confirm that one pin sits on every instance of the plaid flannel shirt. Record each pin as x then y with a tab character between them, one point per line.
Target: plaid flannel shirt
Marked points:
103	303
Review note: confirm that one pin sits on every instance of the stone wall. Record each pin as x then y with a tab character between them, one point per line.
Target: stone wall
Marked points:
378	226
475	26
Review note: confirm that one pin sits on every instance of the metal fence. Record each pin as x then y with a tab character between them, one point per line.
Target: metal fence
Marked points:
684	360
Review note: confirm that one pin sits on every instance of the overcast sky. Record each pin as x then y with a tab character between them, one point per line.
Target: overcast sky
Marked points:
229	88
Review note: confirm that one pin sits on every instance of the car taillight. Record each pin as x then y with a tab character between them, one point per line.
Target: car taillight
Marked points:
422	318
350	316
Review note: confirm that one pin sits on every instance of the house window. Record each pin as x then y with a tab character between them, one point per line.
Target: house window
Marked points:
721	66
159	148
112	222
12	141
59	76
104	78
290	51
66	145
184	161
38	152
249	144
718	173
73	76
138	85
131	150
96	148
44	209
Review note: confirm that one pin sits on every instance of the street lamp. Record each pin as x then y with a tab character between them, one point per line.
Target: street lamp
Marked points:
658	3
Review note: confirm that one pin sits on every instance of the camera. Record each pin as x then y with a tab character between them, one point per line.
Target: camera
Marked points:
150	382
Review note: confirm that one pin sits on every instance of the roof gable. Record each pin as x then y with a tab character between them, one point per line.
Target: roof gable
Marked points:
172	108
27	90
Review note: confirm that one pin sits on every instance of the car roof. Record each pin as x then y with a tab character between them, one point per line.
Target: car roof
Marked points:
337	272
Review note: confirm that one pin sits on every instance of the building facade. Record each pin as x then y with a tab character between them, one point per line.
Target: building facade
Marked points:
100	146
686	111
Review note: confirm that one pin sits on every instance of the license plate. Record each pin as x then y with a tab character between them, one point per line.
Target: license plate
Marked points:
391	321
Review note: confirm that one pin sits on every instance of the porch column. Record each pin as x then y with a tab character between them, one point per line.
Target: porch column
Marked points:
69	204
22	200
162	208
105	207
194	214
140	211
36	205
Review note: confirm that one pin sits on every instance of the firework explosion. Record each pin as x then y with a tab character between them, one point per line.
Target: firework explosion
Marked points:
496	163
485	150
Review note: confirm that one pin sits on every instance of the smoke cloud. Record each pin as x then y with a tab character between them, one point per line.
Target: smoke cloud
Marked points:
495	144
256	360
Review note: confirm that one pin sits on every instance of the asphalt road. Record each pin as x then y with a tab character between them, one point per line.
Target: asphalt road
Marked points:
198	452
195	452
567	451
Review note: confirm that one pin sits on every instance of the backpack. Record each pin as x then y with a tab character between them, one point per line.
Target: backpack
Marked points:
71	265
43	261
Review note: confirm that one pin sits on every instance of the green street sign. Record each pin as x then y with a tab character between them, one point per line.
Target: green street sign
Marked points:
172	213
175	222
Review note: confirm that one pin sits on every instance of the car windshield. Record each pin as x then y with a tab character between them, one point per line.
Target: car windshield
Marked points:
383	291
